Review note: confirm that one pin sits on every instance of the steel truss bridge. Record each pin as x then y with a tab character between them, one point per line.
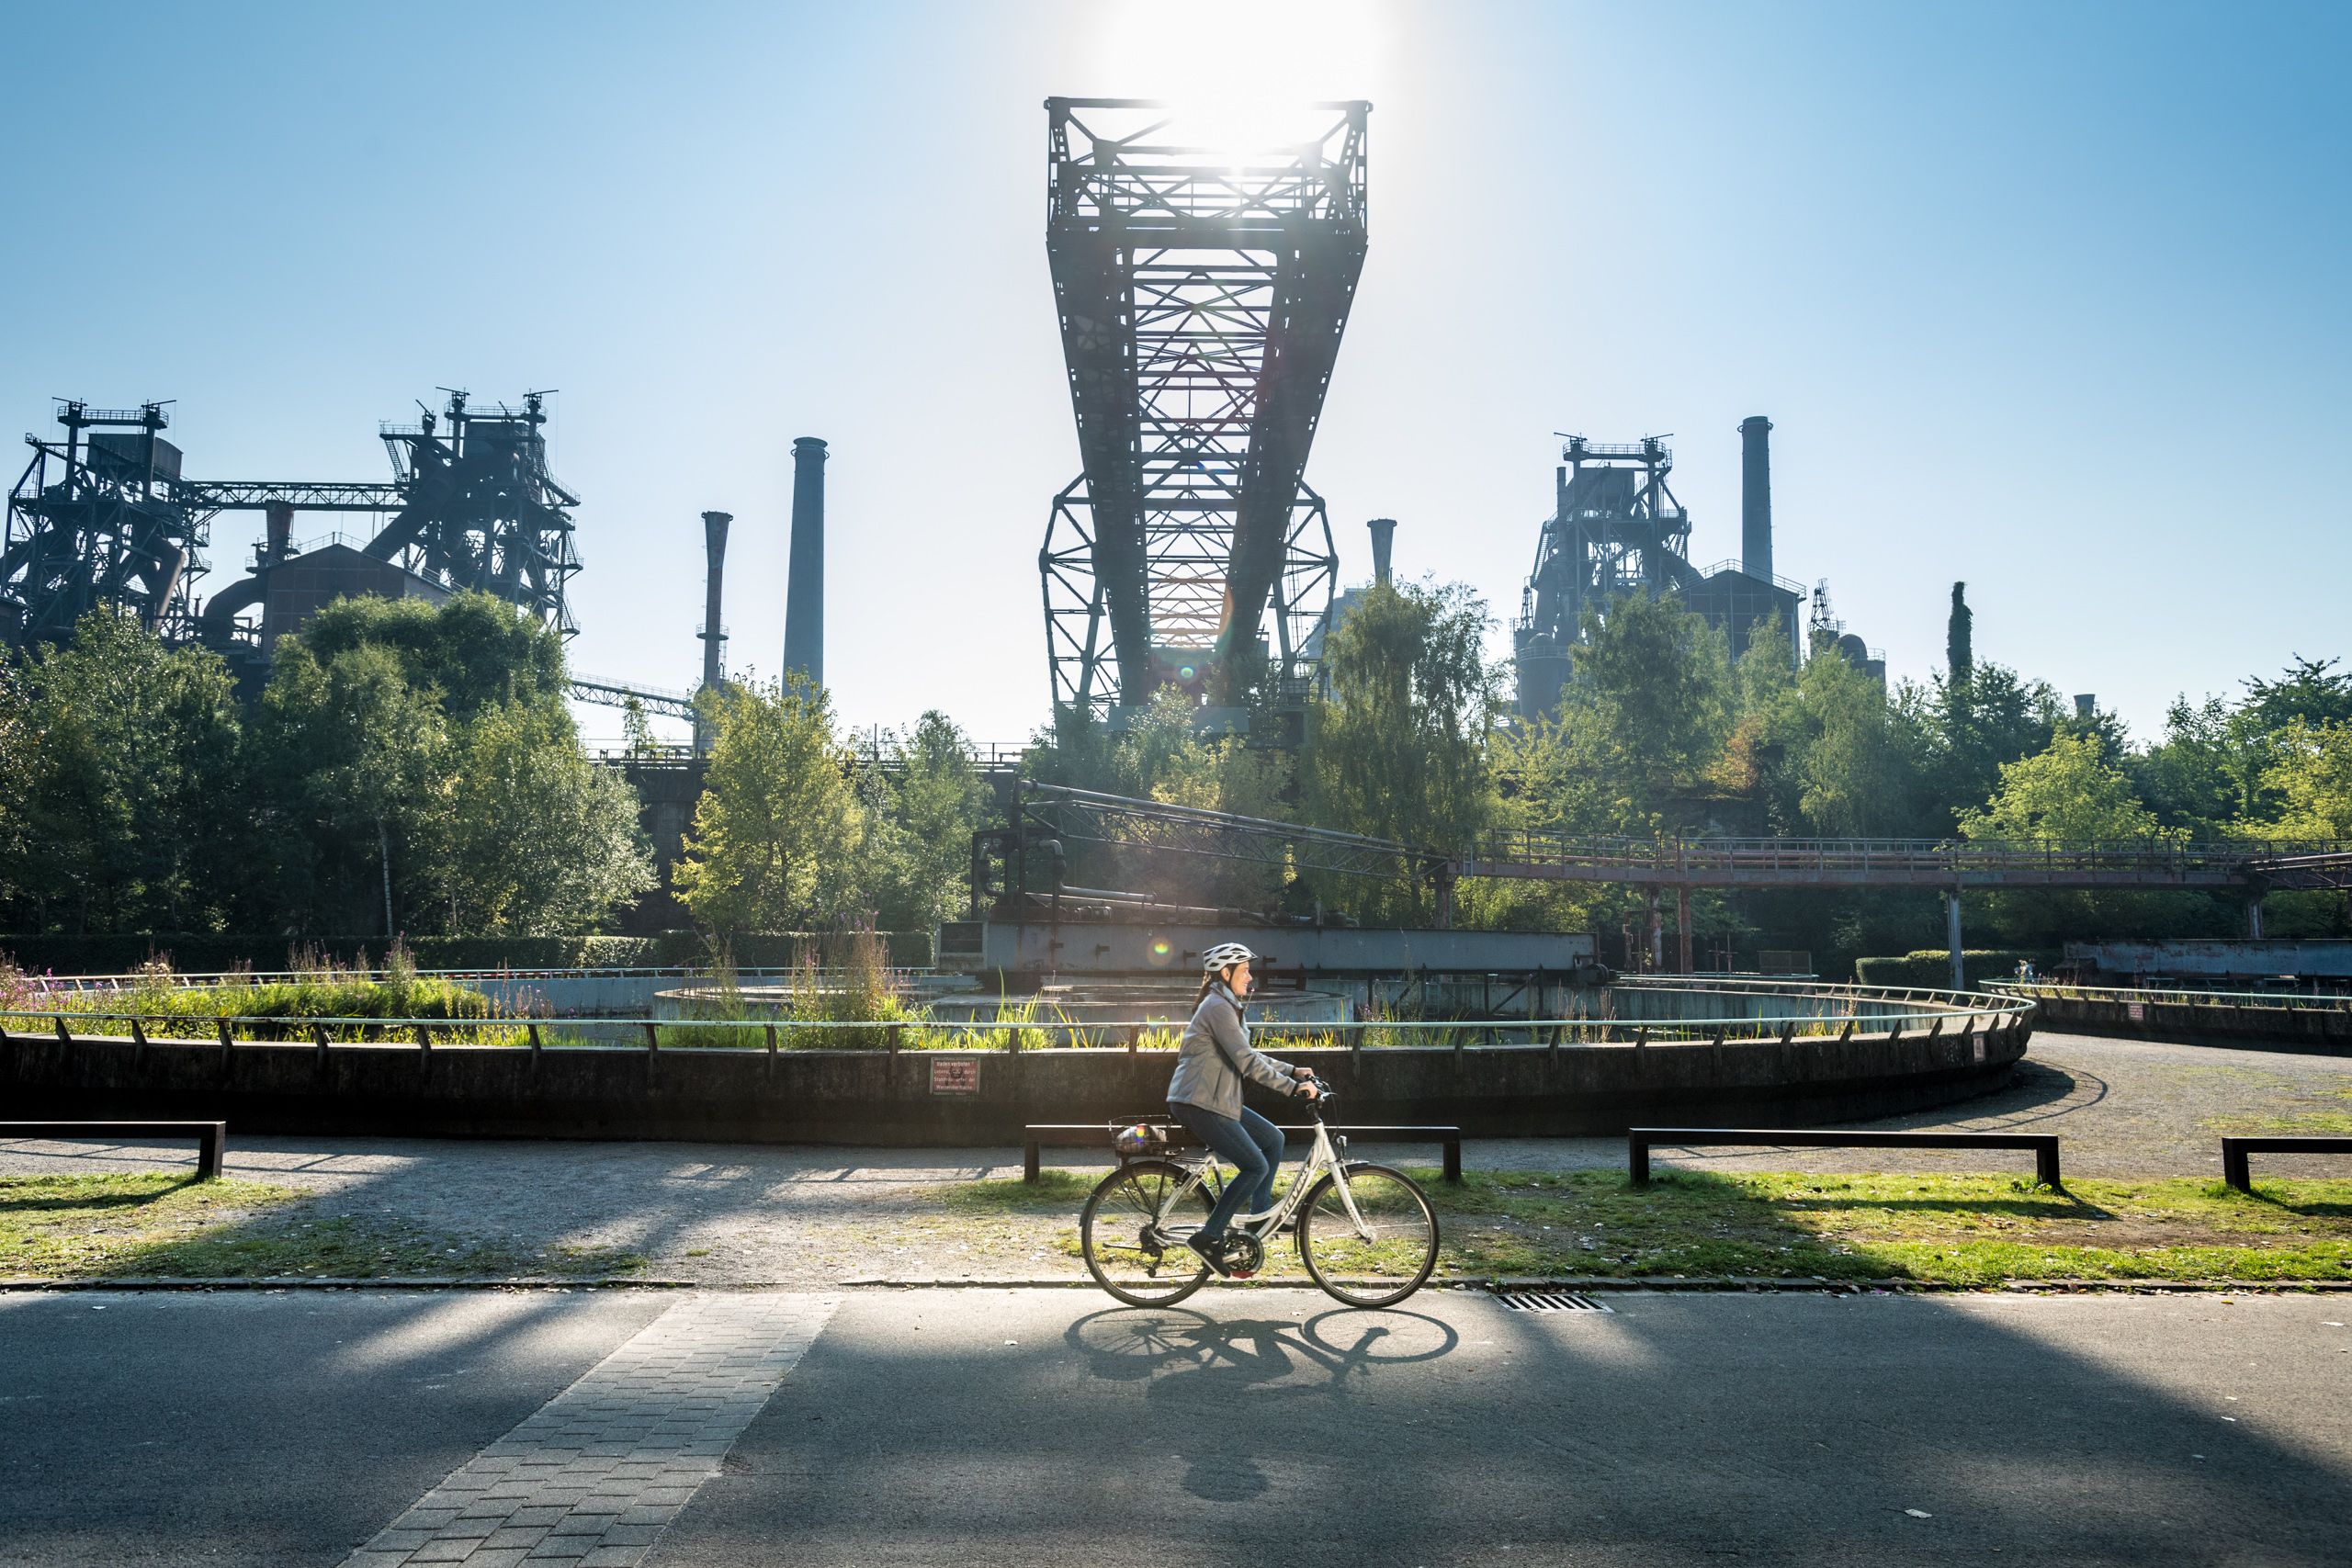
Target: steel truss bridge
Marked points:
1202	290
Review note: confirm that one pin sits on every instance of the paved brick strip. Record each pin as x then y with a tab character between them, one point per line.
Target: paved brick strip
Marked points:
592	1476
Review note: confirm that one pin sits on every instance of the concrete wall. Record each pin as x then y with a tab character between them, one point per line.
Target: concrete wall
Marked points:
2325	1030
1075	949
2251	958
875	1098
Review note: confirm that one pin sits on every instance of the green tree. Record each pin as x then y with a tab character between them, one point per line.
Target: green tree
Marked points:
530	837
1395	748
932	808
1854	777
2312	689
1981	724
355	761
476	650
17	776
1642	724
425	770
2308	773
127	803
1959	637
2070	793
2204	773
780	835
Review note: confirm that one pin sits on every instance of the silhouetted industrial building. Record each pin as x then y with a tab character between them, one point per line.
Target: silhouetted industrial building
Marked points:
1616	528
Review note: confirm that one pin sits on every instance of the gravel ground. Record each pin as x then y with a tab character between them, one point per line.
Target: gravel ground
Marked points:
740	1213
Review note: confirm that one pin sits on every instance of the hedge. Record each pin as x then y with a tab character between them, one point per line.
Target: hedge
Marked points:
1930	968
212	952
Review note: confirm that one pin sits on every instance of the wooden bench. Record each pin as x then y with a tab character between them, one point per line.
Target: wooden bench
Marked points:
211	1137
2234	1150
1079	1135
1638	1141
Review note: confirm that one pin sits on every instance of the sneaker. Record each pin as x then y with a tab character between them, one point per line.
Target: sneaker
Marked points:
1212	1253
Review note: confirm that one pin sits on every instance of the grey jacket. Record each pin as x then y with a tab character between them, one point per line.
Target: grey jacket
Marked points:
1214	1042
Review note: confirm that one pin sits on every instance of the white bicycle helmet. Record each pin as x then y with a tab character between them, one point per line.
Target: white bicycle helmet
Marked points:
1223	954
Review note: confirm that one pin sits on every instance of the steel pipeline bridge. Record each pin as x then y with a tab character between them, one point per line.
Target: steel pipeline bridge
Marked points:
2250	867
1910	862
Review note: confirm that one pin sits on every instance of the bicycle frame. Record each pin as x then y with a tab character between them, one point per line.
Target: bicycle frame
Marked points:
1322	1156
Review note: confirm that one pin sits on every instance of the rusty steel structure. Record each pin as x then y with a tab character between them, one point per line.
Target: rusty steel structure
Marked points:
1202	290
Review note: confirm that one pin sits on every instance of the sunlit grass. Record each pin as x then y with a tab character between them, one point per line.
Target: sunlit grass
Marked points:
169	1226
1930	1229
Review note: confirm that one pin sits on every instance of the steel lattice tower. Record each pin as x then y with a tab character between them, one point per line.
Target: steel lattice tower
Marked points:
1203	290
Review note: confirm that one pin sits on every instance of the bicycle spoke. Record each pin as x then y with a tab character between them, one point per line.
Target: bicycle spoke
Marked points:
1372	1244
1130	1249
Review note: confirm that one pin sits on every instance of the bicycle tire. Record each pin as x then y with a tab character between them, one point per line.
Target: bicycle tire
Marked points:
1405	1250
1111	1238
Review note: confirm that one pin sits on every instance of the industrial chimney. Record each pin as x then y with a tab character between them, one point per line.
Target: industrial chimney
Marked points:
1756	498
280	517
804	595
1383	529
714	630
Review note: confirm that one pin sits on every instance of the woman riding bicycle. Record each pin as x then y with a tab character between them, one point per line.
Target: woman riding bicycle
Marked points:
1206	1094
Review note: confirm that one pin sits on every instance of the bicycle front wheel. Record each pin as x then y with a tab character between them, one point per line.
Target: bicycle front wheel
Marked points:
1380	1253
1133	1249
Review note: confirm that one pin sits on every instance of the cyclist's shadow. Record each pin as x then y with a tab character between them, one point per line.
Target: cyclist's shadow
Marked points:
1197	1368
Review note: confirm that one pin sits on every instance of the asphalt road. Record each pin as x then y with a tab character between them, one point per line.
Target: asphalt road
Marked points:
986	1427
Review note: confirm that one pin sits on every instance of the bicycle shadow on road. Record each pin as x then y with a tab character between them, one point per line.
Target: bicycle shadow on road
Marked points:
1195	1366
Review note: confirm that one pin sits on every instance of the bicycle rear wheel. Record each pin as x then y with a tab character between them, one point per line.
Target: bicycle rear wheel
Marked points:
1385	1259
1128	1249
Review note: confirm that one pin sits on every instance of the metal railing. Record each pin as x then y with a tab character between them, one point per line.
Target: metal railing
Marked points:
85	984
2173	996
1008	1035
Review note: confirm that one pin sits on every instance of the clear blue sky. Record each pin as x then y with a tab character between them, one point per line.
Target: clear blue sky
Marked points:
2052	298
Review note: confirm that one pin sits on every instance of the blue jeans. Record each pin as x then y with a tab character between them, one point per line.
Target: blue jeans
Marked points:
1253	1143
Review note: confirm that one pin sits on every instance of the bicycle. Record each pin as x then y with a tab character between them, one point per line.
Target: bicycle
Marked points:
1366	1233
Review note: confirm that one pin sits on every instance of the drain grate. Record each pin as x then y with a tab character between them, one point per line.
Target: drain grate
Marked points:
1548	1301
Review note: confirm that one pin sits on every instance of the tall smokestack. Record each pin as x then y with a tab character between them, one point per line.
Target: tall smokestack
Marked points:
280	516
1383	529
714	630
1756	497
804	595
714	634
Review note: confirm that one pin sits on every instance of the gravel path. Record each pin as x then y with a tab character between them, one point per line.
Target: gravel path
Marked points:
735	1212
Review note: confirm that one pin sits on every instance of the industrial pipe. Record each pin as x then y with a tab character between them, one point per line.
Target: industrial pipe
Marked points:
1756	498
804	602
1383	529
714	631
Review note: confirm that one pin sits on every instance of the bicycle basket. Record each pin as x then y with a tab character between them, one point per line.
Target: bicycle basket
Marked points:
1143	1138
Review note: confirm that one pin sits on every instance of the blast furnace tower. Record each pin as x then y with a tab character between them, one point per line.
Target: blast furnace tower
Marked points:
97	519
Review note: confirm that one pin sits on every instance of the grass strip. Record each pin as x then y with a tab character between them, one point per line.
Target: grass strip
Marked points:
1936	1229
168	1226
